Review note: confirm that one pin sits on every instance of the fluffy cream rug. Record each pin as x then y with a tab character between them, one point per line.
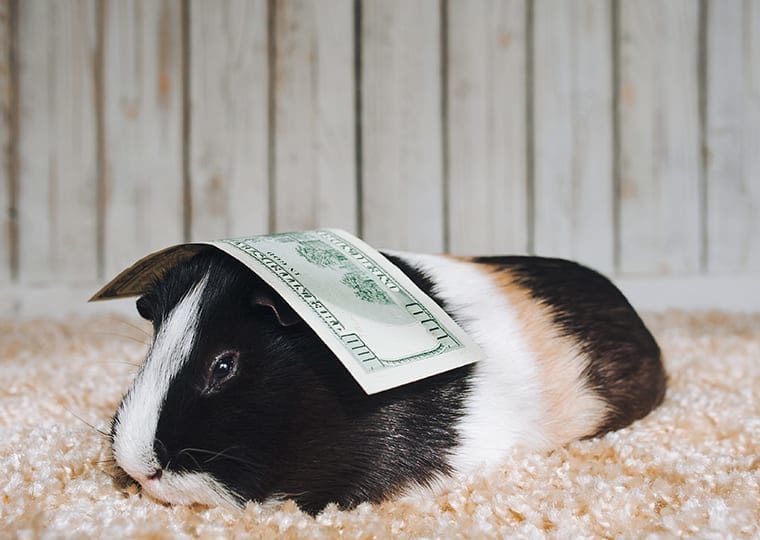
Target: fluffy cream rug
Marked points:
690	469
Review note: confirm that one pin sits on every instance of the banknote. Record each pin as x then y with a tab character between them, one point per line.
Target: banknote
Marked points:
381	326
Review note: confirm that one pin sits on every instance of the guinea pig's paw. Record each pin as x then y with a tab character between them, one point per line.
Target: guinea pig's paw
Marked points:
122	481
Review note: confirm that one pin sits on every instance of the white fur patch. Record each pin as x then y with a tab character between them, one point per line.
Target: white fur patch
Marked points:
504	407
189	488
137	418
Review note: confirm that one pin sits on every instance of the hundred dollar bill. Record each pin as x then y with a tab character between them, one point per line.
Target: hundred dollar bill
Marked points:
381	326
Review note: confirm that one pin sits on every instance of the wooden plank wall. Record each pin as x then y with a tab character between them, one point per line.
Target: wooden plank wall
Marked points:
58	176
402	125
314	175
622	133
486	138
732	136
659	127
7	150
142	198
227	129
573	130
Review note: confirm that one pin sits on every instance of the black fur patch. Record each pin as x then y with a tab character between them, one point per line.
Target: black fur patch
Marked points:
625	367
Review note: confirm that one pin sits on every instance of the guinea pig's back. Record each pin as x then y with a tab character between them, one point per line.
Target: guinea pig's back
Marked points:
567	357
591	314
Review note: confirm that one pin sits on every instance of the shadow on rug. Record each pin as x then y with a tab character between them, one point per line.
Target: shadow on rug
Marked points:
692	468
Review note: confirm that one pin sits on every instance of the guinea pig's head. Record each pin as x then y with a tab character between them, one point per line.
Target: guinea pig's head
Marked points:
206	413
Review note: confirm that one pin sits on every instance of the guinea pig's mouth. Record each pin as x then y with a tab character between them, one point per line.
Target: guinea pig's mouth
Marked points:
176	488
128	485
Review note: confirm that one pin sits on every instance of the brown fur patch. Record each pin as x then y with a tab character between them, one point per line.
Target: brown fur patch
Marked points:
572	410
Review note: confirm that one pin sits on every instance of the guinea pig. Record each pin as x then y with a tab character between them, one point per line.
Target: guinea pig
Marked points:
239	400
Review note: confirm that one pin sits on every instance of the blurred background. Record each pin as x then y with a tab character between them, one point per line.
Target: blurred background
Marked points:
624	134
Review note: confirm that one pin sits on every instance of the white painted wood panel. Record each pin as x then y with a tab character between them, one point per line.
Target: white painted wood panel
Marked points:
142	101
6	226
402	169
315	123
660	164
57	144
573	131
733	136
229	118
487	184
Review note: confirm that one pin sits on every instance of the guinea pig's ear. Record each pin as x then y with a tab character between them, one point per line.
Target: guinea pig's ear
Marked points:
285	314
145	307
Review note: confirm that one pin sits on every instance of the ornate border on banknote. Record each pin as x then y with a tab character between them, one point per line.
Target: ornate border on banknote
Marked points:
365	356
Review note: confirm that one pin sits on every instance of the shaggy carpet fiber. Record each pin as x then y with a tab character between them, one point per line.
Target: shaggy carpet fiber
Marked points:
692	468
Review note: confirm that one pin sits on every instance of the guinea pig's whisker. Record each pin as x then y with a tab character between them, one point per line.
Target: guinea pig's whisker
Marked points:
123	362
188	454
72	413
217	455
114	334
142	331
214	455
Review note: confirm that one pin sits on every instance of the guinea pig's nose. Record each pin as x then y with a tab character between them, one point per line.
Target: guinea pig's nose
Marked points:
162	455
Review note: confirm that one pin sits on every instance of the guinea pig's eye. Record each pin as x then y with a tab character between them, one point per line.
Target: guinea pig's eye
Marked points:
222	369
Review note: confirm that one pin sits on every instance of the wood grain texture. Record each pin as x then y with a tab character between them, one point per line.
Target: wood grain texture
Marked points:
57	144
229	104
733	136
573	131
315	148
7	237
487	186
402	155
142	98
658	116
